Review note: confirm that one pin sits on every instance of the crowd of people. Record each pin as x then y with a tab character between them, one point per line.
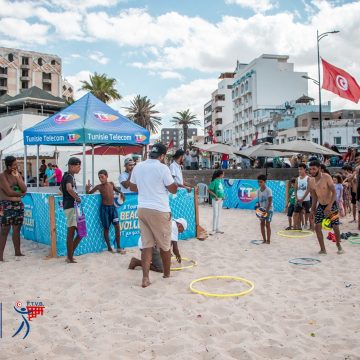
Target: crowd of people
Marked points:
311	197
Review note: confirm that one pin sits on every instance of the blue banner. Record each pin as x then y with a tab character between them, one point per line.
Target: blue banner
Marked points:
242	194
182	205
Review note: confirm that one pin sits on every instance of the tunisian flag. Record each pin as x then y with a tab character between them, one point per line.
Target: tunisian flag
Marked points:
340	82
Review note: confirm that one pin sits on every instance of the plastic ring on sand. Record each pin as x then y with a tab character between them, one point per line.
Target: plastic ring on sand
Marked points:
304	261
256	242
193	263
247	282
294	233
354	240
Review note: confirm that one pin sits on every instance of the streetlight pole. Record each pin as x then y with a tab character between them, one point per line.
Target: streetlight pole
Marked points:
318	38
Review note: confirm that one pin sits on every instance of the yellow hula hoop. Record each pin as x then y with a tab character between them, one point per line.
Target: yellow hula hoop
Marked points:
193	263
243	293
301	233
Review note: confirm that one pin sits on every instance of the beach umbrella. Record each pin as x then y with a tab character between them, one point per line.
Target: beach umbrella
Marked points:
261	150
304	146
217	148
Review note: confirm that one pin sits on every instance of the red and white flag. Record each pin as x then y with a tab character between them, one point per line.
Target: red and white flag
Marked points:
340	82
171	144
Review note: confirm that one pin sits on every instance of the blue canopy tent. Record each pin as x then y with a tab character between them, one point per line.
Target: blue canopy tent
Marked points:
88	121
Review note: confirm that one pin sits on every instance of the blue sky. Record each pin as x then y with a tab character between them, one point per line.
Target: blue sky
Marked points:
172	50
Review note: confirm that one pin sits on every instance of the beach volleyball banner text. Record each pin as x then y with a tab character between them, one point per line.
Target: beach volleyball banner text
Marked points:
241	194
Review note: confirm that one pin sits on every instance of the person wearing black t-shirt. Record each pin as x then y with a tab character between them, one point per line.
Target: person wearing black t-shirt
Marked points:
70	196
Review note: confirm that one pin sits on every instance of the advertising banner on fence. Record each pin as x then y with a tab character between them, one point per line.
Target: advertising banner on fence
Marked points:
242	194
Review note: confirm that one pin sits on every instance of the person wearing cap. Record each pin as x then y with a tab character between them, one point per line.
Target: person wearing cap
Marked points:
70	196
176	171
152	180
178	226
124	178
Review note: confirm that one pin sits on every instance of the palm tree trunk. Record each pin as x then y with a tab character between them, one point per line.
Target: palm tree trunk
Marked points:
185	130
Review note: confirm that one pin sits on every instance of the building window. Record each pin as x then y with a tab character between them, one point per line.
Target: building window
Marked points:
3	82
46	76
11	57
47	86
337	140
24	72
53	62
64	87
3	70
315	140
246	86
25	61
2	92
40	61
355	140
24	84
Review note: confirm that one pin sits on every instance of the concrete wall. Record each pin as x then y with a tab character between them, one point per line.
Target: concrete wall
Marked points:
204	176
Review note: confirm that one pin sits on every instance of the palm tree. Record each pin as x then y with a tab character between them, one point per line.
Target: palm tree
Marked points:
142	112
185	119
102	87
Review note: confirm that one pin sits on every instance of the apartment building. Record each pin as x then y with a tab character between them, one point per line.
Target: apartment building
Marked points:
176	134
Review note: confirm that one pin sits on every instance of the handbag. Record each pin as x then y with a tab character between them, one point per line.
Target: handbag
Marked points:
80	221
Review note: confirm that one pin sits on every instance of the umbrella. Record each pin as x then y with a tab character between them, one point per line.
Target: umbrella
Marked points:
262	150
304	146
217	148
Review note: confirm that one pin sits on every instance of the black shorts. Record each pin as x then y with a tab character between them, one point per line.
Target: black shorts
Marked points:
108	216
320	215
11	213
291	209
353	197
304	205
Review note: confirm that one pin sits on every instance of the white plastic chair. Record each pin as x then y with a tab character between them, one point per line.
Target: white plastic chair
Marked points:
203	195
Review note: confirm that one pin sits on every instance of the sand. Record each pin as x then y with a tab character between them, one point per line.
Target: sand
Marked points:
96	309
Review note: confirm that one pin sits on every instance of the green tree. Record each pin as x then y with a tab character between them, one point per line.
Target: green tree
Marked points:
102	87
185	119
142	112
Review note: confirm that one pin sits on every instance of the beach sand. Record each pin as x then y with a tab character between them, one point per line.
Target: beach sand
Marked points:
96	309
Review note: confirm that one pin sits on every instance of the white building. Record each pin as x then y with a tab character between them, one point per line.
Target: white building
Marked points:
265	83
220	106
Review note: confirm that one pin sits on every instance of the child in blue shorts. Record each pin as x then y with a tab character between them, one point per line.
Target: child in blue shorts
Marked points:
264	196
108	212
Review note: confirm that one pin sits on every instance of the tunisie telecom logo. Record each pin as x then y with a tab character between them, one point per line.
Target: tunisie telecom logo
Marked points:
31	310
105	117
65	117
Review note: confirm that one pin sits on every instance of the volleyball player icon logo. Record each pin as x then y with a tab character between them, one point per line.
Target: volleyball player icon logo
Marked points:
25	323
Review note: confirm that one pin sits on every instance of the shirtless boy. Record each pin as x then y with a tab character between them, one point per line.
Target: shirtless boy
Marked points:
12	188
108	212
323	195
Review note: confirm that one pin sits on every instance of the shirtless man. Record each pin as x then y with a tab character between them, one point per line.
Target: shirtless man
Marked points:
323	195
108	212
12	188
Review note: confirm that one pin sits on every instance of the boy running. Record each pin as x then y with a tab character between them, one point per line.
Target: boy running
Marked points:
264	196
108	212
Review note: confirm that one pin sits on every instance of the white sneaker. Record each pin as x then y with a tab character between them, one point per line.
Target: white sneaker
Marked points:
219	232
212	232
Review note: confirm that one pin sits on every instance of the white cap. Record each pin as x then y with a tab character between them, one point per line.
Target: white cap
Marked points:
183	222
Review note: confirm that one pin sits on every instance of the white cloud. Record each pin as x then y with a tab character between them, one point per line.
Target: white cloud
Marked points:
23	32
192	95
171	75
255	5
75	81
99	57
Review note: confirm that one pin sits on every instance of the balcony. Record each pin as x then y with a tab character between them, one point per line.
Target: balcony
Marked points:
25	66
46	81
3	87
25	78
4	76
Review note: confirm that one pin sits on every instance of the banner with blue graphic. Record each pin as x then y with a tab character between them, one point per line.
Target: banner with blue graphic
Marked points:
241	194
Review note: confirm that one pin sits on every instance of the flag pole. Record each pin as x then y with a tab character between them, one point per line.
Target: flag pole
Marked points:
320	108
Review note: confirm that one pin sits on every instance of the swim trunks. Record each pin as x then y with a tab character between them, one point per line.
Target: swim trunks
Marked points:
11	212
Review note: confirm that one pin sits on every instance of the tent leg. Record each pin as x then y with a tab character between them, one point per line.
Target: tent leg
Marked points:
120	164
37	167
25	165
92	165
84	168
1	162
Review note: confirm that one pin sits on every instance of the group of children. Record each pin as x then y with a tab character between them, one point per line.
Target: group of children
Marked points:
108	215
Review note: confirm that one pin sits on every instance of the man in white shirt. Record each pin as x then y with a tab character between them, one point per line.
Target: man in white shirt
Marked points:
194	159
124	178
187	159
152	180
176	171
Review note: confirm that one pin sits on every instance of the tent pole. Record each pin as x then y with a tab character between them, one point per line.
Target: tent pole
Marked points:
37	166
25	165
120	164
1	162
92	165
84	167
